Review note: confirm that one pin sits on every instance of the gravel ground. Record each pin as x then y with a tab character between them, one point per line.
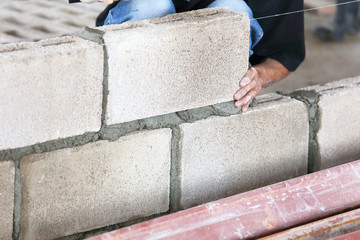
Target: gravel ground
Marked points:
32	20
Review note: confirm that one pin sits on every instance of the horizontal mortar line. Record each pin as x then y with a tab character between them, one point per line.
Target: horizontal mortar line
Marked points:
9	153
114	127
270	100
334	88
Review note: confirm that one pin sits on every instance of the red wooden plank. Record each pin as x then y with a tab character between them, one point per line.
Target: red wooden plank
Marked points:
323	229
349	236
259	212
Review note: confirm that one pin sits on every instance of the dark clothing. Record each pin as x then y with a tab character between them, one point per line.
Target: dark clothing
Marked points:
183	5
347	18
283	38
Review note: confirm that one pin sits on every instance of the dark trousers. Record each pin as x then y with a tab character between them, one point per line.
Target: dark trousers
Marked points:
347	18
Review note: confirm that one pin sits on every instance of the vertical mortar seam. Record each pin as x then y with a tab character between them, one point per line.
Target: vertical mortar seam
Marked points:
17	201
174	198
315	129
311	101
105	87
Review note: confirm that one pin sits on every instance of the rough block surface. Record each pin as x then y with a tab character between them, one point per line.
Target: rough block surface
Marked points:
7	177
95	185
178	62
339	133
52	89
223	156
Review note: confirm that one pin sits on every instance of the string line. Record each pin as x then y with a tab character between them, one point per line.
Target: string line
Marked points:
304	10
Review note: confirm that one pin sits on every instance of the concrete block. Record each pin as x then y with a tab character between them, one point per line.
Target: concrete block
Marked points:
223	156
50	89
95	185
339	133
174	63
7	177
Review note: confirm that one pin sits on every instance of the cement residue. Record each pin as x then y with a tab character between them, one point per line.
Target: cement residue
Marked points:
17	154
228	108
114	132
222	109
105	86
162	121
196	114
92	34
311	99
170	120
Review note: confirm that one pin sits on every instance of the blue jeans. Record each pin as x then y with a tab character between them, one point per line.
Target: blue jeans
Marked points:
144	9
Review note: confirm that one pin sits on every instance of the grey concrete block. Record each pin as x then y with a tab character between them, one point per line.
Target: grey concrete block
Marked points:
339	134
178	62
50	89
223	156
95	185
7	177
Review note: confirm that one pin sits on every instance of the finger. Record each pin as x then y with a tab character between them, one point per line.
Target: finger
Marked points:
243	91
250	75
245	107
245	81
246	100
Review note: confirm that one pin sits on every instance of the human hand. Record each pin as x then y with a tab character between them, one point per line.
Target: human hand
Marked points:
250	86
262	75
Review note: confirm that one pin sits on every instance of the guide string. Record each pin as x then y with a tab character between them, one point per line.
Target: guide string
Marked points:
304	10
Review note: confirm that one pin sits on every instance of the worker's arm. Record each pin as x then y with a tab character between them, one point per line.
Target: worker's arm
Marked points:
257	77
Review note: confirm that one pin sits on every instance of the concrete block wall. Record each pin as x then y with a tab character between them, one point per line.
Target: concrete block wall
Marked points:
222	156
102	183
335	122
88	145
51	89
173	63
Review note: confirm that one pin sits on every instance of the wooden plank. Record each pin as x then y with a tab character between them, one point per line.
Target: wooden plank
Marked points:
323	229
259	212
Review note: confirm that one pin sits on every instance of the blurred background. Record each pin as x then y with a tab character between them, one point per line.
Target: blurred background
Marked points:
326	61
